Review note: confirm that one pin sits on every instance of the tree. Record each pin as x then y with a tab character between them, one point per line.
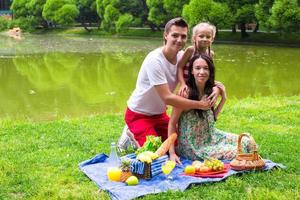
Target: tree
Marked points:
111	15
123	22
220	15
263	12
61	12
242	12
207	10
35	7
20	8
25	15
245	14
137	8
174	7
157	14
87	13
285	15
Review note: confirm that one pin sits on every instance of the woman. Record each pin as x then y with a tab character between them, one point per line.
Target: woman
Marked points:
197	137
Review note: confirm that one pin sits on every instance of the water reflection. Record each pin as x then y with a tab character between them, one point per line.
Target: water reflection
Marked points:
258	71
53	84
57	84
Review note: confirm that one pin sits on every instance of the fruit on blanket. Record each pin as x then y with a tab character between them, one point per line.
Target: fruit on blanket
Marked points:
151	154
214	164
125	167
147	156
144	158
204	169
198	167
196	162
190	169
132	180
170	163
114	173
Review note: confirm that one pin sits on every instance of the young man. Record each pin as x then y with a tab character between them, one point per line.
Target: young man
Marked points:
157	79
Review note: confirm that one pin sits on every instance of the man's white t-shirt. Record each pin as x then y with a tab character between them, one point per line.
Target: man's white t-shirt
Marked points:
155	70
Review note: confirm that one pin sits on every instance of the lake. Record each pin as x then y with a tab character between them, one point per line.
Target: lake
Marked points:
45	77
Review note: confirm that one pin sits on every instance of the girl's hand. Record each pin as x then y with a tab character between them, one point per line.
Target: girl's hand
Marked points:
206	103
183	91
223	90
175	158
214	95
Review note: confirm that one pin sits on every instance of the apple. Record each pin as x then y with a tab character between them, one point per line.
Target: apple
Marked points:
196	162
197	168
190	169
205	169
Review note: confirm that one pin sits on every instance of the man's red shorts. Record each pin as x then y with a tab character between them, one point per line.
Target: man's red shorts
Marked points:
142	125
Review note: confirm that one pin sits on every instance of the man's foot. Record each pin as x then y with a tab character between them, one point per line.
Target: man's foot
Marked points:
126	140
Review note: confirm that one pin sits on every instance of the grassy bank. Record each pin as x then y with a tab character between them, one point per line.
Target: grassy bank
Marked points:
40	160
290	39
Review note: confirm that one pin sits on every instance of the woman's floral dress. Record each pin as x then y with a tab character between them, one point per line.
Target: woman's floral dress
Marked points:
199	139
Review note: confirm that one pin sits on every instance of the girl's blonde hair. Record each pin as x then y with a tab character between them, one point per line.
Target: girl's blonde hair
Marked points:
207	25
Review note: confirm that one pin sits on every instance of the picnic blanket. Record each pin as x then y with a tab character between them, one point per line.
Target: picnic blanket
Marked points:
96	168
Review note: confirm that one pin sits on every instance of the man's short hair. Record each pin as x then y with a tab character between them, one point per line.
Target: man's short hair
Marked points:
178	21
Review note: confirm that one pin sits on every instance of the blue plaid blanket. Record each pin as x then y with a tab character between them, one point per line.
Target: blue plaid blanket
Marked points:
96	168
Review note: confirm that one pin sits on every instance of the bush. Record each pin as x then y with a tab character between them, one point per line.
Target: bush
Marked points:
123	22
3	24
25	23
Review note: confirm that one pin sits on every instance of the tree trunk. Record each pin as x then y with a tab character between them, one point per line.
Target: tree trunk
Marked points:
243	30
256	28
152	26
85	26
233	29
45	24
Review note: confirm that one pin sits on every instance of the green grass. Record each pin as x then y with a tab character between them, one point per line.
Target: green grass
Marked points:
40	160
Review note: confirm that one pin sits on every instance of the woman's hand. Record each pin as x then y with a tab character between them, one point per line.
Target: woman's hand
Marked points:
183	91
175	158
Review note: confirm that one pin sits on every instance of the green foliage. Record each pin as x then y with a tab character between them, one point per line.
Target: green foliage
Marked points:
60	11
29	12
207	10
174	7
196	11
101	5
111	15
157	14
123	22
263	12
3	23
20	8
87	11
285	15
25	23
152	144
66	14
137	8
245	14
220	15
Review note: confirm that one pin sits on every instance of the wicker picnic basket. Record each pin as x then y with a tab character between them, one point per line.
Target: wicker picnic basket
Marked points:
147	172
247	161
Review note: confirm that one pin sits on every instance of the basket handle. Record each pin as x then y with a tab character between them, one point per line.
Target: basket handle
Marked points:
240	143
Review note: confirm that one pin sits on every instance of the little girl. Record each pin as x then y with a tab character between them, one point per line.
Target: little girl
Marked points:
203	36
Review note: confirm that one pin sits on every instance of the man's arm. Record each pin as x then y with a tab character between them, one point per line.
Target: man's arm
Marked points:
180	102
